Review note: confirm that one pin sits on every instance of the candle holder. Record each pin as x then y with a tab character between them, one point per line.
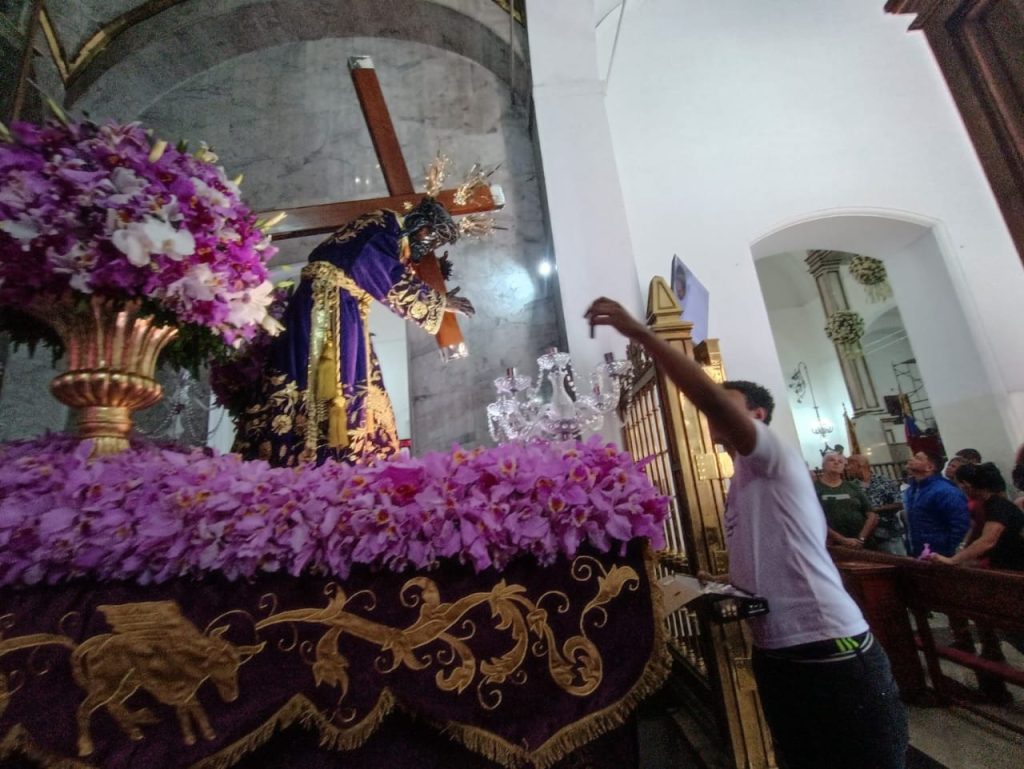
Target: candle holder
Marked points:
552	408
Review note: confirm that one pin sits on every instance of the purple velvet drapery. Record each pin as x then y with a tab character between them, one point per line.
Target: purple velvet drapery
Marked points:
526	665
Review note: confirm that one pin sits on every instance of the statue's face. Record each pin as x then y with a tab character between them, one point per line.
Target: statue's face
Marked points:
428	237
425	240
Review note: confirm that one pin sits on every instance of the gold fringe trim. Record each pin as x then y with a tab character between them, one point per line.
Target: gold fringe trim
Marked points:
300	710
586	730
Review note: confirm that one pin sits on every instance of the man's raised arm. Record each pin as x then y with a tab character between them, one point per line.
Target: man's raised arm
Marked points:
731	420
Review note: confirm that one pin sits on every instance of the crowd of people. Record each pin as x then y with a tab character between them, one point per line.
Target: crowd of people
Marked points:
955	512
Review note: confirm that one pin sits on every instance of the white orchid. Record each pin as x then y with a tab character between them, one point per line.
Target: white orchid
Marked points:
127	182
199	284
22	229
251	307
140	240
205	154
272	325
212	196
80	282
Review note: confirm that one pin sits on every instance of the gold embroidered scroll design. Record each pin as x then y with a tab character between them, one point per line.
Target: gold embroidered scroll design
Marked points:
575	665
414	300
34	641
153	647
281	412
357	225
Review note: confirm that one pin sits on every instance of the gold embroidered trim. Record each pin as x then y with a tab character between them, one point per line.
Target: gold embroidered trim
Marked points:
357	225
325	318
427	312
589	728
301	710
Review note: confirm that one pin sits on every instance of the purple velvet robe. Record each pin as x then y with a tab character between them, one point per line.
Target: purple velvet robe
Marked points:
373	257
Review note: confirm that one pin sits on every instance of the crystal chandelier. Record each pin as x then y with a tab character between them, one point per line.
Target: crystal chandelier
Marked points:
552	409
822	427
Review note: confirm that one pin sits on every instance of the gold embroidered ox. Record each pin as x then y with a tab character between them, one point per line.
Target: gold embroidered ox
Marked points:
154	648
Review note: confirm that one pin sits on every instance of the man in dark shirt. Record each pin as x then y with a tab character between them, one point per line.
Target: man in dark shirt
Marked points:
847	509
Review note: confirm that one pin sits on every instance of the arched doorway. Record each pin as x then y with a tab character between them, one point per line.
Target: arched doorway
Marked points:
966	395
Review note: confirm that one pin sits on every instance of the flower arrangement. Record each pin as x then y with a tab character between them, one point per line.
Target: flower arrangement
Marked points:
151	514
845	328
90	210
236	379
871	274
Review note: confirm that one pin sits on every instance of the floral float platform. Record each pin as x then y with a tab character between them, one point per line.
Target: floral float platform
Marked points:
475	608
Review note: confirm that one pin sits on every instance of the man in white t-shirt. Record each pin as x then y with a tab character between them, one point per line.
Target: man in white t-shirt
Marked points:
826	686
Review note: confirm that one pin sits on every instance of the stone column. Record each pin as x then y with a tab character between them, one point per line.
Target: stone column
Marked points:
587	215
824	267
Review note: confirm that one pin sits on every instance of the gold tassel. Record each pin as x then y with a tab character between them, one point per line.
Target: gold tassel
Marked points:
337	424
327	373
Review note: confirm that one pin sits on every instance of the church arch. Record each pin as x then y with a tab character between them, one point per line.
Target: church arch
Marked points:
168	48
955	359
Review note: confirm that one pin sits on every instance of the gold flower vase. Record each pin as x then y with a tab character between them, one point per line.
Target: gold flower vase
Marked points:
111	359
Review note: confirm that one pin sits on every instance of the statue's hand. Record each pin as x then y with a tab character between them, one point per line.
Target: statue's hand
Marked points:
459	304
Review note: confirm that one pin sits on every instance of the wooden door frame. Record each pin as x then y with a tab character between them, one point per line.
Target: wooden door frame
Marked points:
978	78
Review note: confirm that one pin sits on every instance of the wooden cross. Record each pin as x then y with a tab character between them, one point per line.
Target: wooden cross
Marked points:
327	217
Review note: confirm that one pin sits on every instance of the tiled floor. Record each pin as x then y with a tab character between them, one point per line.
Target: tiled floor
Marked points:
954	738
958	739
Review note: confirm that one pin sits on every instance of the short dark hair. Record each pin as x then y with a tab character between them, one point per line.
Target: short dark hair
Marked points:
971	455
985	477
935	457
756	395
1018	476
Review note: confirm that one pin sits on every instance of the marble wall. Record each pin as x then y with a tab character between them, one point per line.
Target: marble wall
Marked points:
26	407
287	117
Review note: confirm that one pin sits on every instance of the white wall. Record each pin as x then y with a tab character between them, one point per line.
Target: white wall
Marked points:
389	341
731	119
800	336
589	229
949	357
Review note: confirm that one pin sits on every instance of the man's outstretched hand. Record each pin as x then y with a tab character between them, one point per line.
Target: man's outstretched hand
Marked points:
458	304
608	312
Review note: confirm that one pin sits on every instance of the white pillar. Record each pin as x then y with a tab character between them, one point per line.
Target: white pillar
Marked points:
589	231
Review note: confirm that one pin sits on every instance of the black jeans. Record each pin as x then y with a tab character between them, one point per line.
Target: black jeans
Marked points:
833	714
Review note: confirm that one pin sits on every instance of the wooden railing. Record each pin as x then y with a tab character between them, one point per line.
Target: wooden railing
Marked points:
890	589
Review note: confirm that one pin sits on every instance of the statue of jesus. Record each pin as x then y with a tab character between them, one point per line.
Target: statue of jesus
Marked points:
322	391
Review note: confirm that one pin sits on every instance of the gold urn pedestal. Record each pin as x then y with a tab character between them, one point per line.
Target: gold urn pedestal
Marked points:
111	361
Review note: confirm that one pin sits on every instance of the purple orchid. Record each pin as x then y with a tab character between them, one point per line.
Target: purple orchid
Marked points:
100	209
155	513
